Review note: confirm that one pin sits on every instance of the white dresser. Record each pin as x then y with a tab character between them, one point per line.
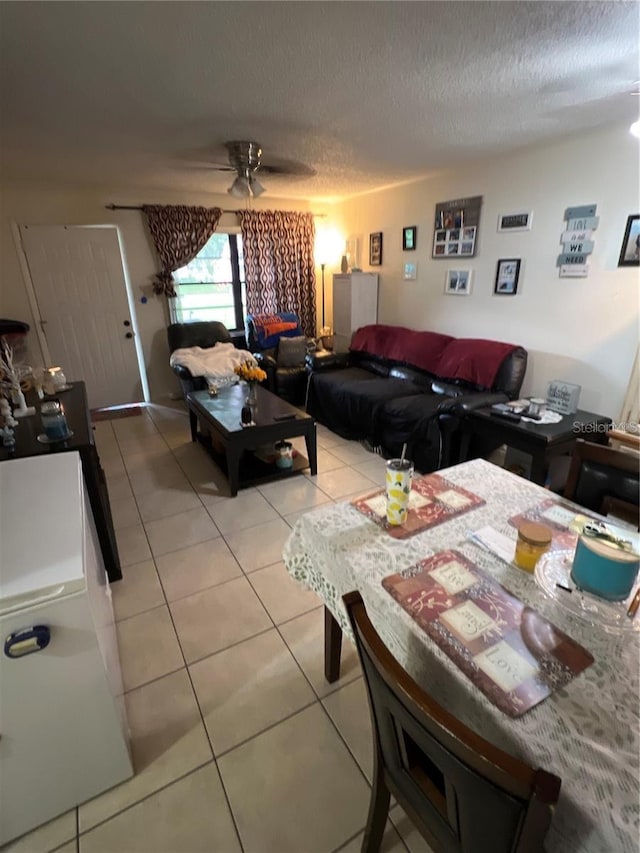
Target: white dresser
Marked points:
63	728
355	304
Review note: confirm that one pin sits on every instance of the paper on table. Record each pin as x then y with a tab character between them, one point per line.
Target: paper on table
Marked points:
491	539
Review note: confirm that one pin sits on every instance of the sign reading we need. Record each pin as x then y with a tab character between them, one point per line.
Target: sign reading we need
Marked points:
576	240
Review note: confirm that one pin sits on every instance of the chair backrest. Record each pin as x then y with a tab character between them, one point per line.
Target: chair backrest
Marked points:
265	330
463	794
202	333
598	472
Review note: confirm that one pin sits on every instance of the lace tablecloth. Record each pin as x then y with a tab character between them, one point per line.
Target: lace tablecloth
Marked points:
587	733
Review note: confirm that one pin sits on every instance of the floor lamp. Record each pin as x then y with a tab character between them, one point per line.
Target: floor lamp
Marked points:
322	266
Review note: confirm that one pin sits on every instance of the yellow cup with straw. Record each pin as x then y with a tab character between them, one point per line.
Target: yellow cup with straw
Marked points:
399	475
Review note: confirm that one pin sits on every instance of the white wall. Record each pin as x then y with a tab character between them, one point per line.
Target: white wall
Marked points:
66	206
581	330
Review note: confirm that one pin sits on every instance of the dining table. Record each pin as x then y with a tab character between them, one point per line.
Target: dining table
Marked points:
586	732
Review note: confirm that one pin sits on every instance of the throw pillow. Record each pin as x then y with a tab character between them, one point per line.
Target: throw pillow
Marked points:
291	352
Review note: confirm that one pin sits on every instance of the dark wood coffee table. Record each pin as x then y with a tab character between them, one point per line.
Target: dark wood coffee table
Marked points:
231	444
541	441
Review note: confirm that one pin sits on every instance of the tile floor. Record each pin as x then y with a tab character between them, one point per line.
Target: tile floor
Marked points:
239	743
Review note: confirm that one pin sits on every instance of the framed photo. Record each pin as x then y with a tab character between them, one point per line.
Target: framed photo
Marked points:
630	251
409	237
410	272
520	221
458	282
375	249
507	274
456	227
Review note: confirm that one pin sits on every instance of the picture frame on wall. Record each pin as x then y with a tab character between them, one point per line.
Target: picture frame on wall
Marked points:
458	282
456	227
520	221
375	249
409	237
410	272
507	275
630	251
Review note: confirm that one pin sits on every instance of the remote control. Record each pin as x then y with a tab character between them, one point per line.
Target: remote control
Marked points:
286	417
506	416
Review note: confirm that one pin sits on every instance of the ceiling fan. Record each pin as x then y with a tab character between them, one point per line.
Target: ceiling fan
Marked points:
245	159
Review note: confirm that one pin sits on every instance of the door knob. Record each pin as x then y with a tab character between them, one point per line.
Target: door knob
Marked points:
127	323
129	335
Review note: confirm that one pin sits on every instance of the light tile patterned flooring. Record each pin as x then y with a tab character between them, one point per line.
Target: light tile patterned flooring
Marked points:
239	743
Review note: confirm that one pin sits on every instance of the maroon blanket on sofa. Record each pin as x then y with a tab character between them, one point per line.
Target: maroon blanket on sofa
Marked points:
473	360
421	349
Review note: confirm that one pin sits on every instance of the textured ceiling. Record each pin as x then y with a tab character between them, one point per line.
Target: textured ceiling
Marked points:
367	94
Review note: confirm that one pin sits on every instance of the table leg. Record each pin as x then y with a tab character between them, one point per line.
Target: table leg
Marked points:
233	468
538	468
332	646
465	441
312	453
193	423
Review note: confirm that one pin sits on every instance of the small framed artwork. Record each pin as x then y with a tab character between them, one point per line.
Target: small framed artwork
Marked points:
520	221
409	236
507	275
375	249
410	272
458	282
630	251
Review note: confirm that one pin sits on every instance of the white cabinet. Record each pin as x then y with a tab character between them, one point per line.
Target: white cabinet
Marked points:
355	304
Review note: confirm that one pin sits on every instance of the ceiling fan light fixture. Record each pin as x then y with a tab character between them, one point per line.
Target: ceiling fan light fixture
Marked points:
240	188
256	187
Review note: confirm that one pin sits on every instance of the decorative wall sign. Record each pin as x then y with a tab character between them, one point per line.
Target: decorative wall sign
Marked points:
563	397
507	275
458	282
576	243
375	249
410	272
456	227
520	221
630	251
409	238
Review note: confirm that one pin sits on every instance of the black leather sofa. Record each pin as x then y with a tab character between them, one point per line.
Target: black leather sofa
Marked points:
398	385
199	334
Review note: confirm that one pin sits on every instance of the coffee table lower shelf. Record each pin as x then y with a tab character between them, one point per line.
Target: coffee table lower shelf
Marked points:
252	470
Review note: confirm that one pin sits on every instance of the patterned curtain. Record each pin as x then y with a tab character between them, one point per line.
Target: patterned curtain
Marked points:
179	233
279	264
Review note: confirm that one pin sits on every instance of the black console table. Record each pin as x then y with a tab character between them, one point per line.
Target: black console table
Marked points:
76	409
541	441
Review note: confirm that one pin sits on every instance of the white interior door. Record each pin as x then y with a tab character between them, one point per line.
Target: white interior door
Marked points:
79	283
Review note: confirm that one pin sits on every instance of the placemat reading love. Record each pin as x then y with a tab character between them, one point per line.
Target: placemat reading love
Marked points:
508	650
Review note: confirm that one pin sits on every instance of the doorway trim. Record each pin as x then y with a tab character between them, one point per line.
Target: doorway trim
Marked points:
31	293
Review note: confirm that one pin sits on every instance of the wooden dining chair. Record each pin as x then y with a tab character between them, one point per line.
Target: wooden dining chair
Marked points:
604	480
463	794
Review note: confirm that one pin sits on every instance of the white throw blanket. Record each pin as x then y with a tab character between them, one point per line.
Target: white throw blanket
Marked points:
214	363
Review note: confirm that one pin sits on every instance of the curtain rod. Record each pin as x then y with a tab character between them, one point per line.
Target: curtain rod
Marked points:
139	207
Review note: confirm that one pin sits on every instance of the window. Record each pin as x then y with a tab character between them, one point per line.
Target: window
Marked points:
211	287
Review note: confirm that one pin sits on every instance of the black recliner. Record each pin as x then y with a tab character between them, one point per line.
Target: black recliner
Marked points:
199	334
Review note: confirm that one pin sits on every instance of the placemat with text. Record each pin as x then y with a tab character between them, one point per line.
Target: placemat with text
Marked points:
557	516
433	500
509	651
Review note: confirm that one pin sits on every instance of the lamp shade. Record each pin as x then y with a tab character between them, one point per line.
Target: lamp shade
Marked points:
256	187
239	188
329	246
